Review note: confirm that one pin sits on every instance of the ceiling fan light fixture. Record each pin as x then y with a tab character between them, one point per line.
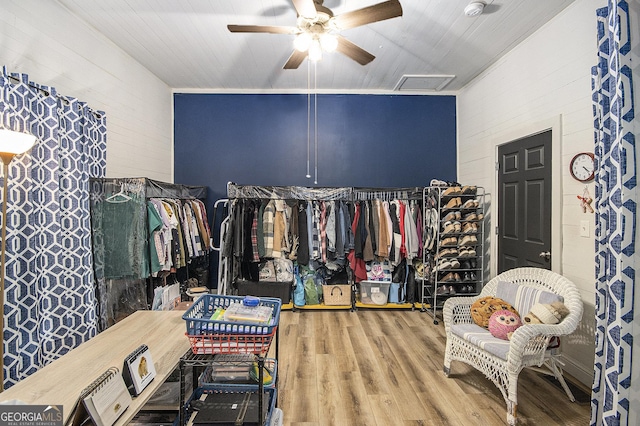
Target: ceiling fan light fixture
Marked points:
315	20
328	42
315	51
302	42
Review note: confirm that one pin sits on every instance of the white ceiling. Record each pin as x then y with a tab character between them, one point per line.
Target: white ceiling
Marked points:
186	43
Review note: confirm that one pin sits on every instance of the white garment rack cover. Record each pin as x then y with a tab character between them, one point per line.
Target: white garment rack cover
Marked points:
321	193
288	192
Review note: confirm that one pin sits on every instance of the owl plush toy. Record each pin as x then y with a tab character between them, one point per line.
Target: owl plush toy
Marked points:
502	323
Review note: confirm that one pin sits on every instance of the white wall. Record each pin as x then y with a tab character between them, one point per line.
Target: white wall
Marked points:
44	40
543	83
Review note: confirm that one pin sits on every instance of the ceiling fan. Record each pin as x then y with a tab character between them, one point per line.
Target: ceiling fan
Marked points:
317	29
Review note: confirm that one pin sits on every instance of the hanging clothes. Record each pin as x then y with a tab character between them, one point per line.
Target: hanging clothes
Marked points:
155	237
268	219
303	234
183	234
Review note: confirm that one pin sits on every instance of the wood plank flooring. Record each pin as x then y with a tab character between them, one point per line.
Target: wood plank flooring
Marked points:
384	368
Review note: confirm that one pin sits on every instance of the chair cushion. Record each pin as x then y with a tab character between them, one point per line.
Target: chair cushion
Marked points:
482	338
523	297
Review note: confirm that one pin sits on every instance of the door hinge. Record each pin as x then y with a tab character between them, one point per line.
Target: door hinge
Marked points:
497	231
497	166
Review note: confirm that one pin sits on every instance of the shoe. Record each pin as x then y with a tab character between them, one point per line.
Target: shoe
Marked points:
454	263
480	216
465	264
468	240
457	226
458	215
448	252
452	252
470	216
451	241
443	289
468	228
473	263
464	241
453	203
469	190
466	252
472	276
437	182
450	216
442	253
452	290
469	204
444	264
449	228
450	277
452	190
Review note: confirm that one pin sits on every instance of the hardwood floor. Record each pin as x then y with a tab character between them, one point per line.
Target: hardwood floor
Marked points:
384	367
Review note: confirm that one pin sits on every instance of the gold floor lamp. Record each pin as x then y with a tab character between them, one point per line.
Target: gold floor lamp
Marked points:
12	143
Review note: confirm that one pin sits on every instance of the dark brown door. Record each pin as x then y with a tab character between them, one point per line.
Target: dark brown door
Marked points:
524	202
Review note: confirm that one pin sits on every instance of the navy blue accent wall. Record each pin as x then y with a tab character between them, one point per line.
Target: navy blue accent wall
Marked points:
363	140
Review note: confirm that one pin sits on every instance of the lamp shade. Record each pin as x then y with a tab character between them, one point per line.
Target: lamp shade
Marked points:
315	51
329	42
13	142
302	42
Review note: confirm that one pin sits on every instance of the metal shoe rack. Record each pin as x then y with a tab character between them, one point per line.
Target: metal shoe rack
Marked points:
456	257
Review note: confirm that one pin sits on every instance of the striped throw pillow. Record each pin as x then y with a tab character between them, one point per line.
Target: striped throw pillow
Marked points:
523	297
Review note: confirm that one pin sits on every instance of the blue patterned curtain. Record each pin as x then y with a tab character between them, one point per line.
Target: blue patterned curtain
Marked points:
614	400
50	297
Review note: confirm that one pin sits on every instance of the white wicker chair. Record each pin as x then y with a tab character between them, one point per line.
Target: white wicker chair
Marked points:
528	344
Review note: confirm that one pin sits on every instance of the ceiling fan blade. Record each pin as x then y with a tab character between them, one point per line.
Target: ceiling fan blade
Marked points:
295	60
367	15
262	29
305	8
356	53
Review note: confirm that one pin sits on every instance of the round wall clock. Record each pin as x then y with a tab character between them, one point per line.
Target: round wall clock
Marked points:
582	166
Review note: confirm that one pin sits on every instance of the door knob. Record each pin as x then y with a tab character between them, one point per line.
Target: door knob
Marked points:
546	255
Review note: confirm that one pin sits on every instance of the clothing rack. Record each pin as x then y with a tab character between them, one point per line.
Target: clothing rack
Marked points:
120	294
351	195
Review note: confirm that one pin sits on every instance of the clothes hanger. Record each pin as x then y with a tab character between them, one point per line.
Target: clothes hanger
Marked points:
118	197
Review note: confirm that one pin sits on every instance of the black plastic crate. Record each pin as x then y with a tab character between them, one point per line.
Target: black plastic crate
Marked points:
277	289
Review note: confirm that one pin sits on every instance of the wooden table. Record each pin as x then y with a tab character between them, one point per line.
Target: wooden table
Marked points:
62	381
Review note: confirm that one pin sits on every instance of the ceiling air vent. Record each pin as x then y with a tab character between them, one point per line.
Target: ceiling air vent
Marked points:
423	83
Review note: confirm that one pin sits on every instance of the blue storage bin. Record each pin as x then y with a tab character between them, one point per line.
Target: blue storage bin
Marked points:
208	336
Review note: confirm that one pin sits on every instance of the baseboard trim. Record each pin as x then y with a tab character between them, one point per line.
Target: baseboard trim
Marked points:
577	374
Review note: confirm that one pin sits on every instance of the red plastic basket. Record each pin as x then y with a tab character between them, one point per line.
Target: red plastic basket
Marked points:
231	343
